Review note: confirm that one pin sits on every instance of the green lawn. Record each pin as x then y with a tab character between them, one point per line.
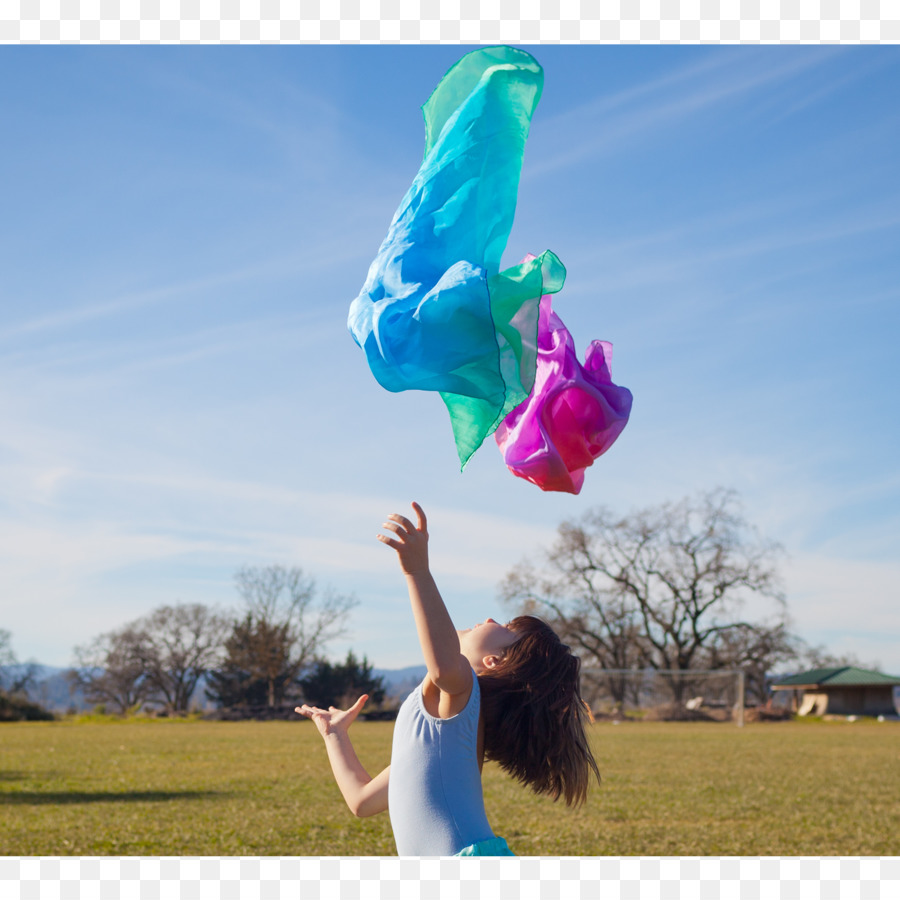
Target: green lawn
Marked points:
264	789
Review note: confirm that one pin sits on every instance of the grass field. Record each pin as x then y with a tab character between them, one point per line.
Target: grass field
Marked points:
169	788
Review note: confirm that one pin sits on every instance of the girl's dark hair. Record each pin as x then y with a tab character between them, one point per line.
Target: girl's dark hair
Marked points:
534	716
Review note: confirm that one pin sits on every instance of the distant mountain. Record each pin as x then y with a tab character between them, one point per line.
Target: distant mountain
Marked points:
399	682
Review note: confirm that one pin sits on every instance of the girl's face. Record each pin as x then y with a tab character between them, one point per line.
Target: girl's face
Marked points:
485	644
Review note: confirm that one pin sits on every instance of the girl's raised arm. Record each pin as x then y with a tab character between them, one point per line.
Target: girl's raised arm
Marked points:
447	667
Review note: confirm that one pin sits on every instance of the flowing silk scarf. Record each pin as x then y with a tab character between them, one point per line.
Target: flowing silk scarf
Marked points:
573	414
436	313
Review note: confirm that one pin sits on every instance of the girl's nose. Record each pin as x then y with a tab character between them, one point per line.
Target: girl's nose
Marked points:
489	619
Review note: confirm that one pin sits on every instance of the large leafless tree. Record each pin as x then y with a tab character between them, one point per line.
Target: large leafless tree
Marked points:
160	657
177	646
660	587
110	672
286	622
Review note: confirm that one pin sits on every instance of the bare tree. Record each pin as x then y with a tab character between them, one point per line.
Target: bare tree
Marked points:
757	649
15	677
177	645
602	625
160	657
655	587
109	670
819	657
285	626
7	655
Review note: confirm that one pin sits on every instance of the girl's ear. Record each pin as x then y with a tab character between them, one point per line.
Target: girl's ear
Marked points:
489	662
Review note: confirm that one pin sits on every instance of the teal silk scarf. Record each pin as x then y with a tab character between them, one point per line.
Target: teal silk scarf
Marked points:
436	314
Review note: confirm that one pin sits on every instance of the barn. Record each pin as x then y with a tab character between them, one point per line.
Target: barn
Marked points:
843	691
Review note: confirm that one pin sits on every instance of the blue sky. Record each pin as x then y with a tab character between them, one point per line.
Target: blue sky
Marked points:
182	232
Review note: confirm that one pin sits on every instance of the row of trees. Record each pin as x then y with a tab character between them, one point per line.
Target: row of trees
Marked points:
665	588
266	654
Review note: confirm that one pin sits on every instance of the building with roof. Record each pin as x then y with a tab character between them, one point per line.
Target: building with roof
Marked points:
844	691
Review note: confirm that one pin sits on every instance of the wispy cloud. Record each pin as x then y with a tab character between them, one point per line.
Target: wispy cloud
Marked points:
777	108
676	255
699	87
66	317
307	260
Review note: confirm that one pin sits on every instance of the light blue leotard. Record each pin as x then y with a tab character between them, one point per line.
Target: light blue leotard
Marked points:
435	798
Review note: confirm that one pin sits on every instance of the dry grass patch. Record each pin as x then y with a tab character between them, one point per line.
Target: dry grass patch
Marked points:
264	788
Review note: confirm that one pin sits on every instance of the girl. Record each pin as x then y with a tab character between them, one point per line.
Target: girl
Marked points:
502	692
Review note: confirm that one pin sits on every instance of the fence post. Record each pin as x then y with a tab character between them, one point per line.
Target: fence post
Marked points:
740	699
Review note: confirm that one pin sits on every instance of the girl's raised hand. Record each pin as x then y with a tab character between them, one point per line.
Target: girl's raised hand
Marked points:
410	541
332	720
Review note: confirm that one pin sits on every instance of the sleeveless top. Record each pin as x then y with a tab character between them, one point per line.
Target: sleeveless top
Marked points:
435	799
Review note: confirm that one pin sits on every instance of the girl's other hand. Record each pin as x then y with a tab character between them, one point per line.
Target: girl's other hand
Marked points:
332	720
410	541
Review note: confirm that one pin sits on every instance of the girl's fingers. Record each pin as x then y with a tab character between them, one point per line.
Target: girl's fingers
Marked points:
407	525
420	516
403	528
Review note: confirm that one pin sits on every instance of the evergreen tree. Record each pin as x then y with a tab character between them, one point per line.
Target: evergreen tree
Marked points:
257	669
340	684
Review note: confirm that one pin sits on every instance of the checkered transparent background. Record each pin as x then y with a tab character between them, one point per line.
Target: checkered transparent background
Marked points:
93	878
465	21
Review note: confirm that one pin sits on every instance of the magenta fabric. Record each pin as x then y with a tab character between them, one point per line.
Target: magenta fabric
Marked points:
573	414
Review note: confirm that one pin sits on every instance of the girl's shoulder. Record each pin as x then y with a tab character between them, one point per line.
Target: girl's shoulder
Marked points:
441	705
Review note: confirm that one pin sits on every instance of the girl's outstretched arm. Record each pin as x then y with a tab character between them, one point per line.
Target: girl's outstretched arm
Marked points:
447	667
365	795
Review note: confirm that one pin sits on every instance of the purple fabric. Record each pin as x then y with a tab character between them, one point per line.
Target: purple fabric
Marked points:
573	414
